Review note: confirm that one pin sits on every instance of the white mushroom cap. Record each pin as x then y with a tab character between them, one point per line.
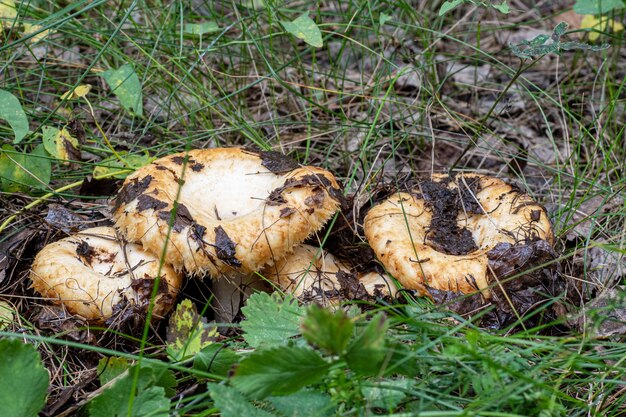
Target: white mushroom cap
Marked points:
312	274
93	272
404	238
236	210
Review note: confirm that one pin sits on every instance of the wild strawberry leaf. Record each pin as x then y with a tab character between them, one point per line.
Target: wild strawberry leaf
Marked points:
232	403
279	371
327	330
271	321
23	379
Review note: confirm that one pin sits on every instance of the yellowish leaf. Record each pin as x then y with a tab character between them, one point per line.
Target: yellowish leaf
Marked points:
79	92
60	144
601	24
7	13
7	314
30	28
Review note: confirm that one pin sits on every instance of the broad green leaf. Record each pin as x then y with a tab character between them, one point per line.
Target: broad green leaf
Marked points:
21	172
270	321
306	29
502	7
449	5
111	367
328	330
12	112
60	143
79	92
304	404
232	403
131	163
279	371
188	332
367	352
597	6
126	86
200	29
216	359
23	379
149	399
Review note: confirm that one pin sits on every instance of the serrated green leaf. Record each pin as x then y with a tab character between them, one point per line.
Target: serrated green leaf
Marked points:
125	84
59	143
367	351
12	112
188	332
304	404
279	371
23	379
111	367
387	394
24	171
232	403
131	163
306	29
199	29
270	321
328	330
560	29
149	399
216	359
597	6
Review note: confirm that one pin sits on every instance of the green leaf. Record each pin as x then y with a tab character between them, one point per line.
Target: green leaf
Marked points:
23	379
199	29
126	86
279	371
232	403
188	332
149	398
21	171
304	404
12	112
111	367
502	7
113	164
388	393
270	321
368	351
597	6
306	29
216	359
449	5
328	330
383	18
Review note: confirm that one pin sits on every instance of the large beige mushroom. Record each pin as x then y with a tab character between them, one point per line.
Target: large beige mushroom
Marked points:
224	211
95	273
440	234
314	275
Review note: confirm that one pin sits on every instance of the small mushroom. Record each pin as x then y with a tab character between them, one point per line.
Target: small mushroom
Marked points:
314	275
94	273
441	233
230	210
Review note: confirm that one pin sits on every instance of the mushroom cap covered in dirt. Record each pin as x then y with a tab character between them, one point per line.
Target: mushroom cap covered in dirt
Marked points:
445	231
230	210
314	275
95	274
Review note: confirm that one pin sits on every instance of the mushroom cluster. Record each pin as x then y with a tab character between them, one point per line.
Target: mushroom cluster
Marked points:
216	212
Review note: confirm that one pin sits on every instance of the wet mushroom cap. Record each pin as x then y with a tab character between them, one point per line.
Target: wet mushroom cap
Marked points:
231	210
312	274
94	272
440	233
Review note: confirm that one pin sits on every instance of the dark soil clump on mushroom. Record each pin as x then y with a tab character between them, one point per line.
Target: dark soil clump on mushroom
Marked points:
444	233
